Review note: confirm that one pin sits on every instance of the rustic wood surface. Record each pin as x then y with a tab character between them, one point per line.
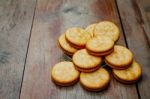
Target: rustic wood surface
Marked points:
15	25
43	53
137	32
29	30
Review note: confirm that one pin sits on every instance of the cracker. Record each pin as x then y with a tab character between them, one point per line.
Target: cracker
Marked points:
100	44
91	29
121	57
77	37
106	28
64	73
129	75
65	46
95	81
83	60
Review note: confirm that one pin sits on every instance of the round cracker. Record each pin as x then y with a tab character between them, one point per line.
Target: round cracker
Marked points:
106	28
77	37
121	57
95	81
129	75
65	45
100	44
90	29
64	73
84	60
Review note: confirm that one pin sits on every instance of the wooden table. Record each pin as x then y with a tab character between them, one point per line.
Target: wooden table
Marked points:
29	30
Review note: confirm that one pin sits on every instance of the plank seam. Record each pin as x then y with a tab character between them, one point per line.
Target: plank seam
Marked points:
27	48
125	38
137	89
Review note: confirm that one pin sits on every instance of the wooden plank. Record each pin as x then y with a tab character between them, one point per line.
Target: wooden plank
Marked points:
144	9
15	25
146	6
137	38
51	19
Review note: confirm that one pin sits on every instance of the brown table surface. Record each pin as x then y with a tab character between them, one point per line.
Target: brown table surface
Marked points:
29	30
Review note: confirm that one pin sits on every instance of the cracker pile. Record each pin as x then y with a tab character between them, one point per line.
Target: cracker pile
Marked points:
89	48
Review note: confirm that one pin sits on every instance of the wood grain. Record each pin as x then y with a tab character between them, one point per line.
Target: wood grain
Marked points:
51	19
137	39
146	6
15	25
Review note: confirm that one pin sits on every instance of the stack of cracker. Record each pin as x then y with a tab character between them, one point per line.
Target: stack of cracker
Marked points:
88	48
